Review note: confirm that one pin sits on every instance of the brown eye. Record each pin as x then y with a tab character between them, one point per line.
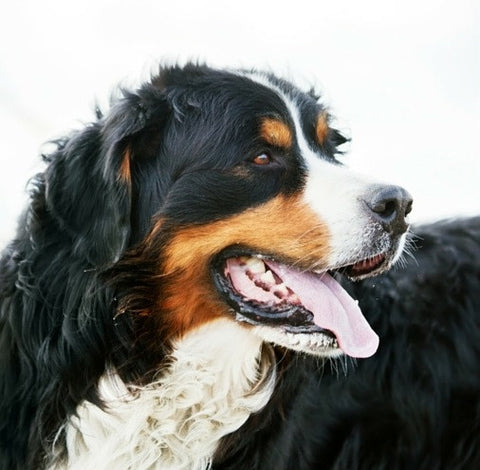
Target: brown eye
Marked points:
262	159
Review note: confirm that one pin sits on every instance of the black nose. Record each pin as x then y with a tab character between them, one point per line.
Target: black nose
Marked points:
390	205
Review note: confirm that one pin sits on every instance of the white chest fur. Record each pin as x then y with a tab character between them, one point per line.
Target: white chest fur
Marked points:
217	377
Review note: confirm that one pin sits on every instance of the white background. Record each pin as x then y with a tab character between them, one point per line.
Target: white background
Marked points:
402	77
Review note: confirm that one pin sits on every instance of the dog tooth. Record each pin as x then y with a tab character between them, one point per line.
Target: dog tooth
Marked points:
255	265
267	277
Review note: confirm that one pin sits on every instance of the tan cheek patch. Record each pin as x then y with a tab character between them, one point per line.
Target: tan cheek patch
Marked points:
284	227
322	128
276	133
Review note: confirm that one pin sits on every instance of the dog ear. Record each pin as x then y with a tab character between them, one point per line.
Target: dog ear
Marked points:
89	176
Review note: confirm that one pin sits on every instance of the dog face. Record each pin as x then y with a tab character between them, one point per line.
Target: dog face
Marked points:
229	203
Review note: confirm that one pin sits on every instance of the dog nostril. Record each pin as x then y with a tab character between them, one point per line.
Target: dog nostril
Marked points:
390	205
385	208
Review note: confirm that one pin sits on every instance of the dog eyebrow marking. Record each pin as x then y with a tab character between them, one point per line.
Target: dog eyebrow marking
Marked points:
321	128
276	132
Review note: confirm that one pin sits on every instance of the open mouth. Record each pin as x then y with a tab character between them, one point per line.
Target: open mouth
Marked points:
265	292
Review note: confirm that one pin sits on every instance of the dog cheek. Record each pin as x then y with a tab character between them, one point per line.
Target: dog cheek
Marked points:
283	227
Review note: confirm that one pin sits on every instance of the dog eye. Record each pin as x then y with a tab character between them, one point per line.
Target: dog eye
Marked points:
262	159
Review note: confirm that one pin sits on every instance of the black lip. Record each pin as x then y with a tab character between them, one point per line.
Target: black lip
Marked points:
292	318
385	265
356	274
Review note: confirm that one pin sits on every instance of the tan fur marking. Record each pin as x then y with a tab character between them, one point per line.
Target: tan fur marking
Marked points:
157	227
125	171
284	227
276	133
322	128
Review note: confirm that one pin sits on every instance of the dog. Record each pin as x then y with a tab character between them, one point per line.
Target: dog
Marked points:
171	299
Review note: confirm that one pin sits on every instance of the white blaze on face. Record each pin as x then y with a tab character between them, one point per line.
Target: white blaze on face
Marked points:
337	195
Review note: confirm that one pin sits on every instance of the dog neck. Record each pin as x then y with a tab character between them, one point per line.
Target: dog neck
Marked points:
217	377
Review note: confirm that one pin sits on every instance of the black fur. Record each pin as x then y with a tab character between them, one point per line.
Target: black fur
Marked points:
415	404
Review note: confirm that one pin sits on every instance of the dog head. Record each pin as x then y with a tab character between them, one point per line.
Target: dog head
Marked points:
217	195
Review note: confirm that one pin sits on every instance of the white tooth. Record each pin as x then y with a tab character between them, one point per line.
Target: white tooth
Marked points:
255	265
267	277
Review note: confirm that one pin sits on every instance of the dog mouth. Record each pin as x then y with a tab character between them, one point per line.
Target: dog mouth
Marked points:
265	292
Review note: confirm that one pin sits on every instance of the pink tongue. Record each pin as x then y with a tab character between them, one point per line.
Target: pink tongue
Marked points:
333	309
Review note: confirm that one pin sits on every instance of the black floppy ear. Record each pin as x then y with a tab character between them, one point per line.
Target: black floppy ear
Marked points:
89	180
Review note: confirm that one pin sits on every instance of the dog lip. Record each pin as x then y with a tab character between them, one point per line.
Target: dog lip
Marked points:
368	265
365	267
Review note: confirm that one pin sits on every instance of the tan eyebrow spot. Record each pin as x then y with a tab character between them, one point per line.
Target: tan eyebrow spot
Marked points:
321	129
276	132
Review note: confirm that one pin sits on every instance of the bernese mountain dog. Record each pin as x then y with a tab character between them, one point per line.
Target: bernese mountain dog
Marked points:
180	295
